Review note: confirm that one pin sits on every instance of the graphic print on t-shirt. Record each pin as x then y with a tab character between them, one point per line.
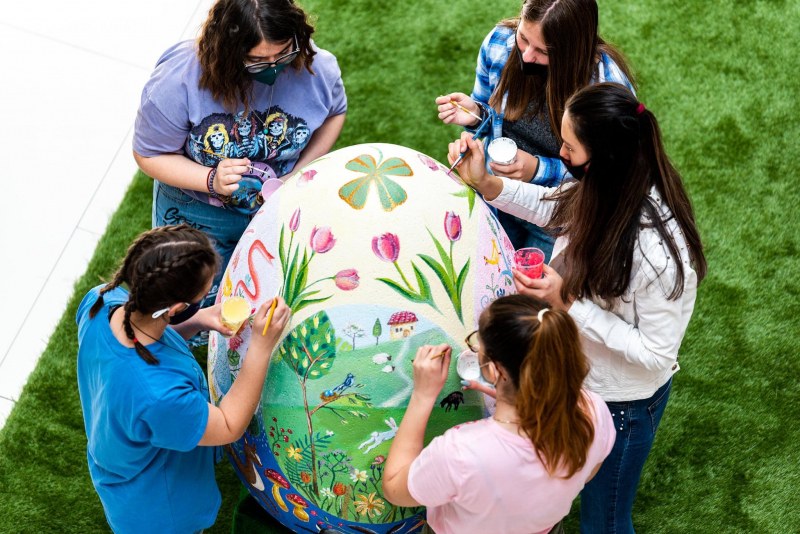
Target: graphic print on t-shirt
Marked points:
271	139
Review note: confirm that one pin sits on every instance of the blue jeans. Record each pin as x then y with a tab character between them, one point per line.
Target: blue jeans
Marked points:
524	234
607	500
225	227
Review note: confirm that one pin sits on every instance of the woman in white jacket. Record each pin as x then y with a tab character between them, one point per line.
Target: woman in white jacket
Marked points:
626	265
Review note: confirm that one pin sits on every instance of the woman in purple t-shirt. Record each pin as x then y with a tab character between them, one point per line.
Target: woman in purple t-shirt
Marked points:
520	470
253	99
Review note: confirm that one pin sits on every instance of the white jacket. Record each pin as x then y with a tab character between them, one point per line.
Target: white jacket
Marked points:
632	344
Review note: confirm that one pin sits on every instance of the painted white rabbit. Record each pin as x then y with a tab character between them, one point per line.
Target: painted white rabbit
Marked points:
376	438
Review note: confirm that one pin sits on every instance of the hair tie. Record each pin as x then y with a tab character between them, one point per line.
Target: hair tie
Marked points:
640	109
135	341
541	313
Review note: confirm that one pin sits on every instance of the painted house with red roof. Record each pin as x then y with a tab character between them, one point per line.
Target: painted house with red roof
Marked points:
401	325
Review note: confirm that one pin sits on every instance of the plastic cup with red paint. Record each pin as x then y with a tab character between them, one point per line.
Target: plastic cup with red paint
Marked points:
530	261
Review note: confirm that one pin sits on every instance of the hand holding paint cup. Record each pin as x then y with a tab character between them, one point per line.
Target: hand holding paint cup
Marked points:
235	311
529	261
502	150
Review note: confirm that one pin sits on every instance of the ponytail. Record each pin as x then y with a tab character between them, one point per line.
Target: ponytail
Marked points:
541	350
668	181
551	407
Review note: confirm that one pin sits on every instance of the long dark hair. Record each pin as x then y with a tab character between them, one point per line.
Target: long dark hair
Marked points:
233	28
602	215
547	367
164	266
569	29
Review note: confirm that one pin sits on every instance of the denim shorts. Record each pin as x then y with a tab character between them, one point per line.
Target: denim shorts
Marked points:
223	226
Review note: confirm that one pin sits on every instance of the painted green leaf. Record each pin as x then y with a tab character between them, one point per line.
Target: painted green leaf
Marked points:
310	348
281	252
441	273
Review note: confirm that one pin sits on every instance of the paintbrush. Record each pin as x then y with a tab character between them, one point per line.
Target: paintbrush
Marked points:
465	110
220	156
440	355
269	316
461	156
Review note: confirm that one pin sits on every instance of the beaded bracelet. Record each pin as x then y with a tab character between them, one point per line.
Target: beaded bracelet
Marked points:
210	183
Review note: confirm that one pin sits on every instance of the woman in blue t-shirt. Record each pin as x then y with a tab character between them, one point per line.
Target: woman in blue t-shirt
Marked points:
149	423
252	100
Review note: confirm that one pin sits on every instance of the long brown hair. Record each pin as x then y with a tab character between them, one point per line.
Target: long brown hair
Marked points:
569	29
164	266
232	29
602	215
547	367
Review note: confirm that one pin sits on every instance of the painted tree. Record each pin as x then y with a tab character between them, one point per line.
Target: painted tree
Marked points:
377	330
353	331
310	350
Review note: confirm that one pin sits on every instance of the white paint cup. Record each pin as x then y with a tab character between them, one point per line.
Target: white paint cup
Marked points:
503	150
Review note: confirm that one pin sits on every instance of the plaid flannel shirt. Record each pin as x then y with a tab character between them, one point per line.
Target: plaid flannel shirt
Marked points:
492	58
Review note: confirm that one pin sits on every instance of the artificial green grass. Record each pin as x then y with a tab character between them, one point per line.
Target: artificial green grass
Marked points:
718	75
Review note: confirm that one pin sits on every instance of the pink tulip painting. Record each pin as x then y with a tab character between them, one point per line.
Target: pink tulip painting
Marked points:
305	178
386	247
294	222
452	226
347	280
322	239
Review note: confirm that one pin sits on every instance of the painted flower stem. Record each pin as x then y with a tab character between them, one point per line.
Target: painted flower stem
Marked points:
405	280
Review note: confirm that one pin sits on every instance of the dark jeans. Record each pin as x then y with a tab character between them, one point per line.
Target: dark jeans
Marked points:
607	500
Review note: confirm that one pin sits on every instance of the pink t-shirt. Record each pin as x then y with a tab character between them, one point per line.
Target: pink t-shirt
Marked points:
480	477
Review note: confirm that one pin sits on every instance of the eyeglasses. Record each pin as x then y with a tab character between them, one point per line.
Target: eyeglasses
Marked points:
285	59
473	342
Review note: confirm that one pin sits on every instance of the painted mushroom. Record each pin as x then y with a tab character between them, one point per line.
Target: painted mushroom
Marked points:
277	482
299	506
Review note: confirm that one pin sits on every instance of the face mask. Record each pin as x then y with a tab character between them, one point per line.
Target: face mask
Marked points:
268	75
532	69
577	171
185	315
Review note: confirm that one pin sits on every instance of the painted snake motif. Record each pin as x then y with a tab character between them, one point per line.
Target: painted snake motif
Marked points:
257	246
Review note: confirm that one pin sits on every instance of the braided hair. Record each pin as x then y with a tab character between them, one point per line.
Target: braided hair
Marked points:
163	266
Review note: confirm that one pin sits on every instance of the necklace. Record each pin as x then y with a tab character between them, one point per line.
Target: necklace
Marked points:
504	421
266	112
139	328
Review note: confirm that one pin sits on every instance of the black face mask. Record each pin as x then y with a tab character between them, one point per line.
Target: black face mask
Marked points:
186	314
532	69
577	171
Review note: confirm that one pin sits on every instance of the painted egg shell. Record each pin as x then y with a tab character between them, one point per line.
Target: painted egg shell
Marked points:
378	252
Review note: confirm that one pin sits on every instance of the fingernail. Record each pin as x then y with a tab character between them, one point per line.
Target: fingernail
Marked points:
465	382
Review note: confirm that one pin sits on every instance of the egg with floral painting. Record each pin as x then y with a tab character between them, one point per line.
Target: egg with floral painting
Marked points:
377	251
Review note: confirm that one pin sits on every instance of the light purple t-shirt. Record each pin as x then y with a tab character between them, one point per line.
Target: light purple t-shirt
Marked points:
481	477
177	117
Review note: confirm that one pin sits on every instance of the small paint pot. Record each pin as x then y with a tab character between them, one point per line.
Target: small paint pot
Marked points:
469	368
502	150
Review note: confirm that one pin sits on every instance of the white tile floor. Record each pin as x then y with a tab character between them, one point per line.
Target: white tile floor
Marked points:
72	72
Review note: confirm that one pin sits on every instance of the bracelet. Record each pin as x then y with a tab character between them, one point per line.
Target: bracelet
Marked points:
210	183
483	111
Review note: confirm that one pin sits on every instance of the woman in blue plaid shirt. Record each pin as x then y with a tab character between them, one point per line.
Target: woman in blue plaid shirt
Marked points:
527	69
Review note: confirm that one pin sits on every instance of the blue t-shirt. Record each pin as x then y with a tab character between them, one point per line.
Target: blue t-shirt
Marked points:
143	423
177	117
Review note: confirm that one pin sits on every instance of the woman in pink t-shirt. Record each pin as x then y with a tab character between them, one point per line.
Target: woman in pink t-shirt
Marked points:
518	471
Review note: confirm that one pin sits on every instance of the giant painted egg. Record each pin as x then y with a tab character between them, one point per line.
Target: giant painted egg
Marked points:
377	251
